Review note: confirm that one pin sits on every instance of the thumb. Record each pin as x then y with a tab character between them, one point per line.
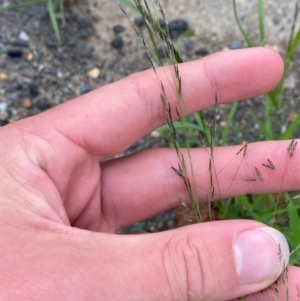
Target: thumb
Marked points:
211	261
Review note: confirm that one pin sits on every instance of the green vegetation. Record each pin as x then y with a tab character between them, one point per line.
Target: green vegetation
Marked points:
281	210
53	6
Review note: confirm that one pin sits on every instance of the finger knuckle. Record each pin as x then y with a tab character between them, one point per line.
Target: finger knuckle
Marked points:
186	266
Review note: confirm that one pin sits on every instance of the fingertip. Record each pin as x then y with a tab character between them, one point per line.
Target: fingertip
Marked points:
273	61
261	254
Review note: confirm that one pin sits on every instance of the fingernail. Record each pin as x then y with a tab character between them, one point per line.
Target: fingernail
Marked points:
259	254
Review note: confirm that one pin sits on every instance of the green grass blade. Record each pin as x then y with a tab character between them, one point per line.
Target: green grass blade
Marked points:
268	129
273	97
130	5
261	22
289	133
294	231
292	49
185	125
53	19
292	46
22	4
292	34
265	126
228	126
61	7
247	39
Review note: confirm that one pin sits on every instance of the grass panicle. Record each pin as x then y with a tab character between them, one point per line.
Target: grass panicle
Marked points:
280	210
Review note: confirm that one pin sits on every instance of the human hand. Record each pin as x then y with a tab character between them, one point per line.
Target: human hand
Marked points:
60	209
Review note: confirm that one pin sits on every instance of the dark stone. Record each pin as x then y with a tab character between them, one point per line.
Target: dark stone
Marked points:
52	71
177	27
15	98
139	22
69	91
84	50
43	103
3	122
118	29
189	45
4	40
33	88
234	45
14	53
202	52
162	23
85	89
13	88
20	43
117	43
111	63
52	44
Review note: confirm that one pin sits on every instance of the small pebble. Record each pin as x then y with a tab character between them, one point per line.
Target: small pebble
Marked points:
23	36
26	103
155	134
202	52
84	50
85	89
162	23
93	73
33	88
20	43
289	82
12	88
139	22
234	45
4	40
189	44
177	27
52	71
15	98
43	103
29	56
14	53
3	106
117	43
222	124
118	29
3	77
3	115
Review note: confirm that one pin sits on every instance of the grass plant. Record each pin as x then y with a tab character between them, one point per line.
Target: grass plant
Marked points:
281	210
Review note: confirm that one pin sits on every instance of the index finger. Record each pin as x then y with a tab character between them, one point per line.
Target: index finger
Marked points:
108	120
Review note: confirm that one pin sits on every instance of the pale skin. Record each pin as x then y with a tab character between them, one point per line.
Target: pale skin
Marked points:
60	209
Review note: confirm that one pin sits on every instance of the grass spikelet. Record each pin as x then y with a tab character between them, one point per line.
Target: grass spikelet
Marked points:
270	165
259	175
